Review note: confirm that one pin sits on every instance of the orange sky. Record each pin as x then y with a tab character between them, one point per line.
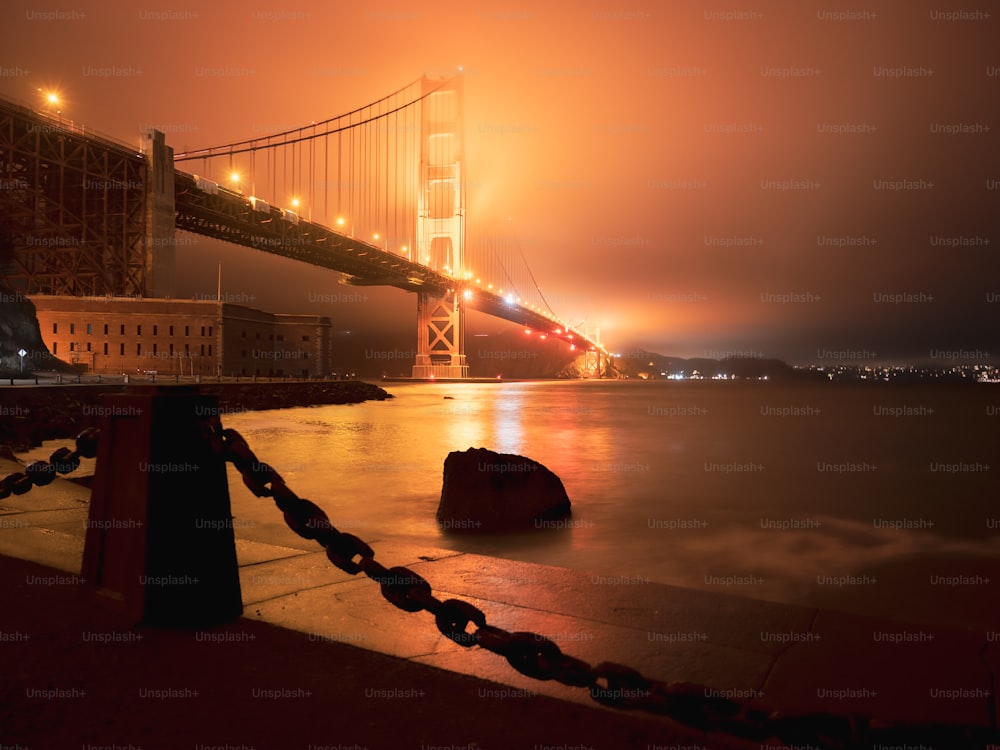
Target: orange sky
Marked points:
692	180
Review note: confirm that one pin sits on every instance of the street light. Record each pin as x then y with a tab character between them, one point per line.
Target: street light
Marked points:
52	101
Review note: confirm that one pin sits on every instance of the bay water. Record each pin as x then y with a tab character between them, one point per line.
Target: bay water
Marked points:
876	498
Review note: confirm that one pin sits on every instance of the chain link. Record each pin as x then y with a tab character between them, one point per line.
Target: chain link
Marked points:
531	654
62	461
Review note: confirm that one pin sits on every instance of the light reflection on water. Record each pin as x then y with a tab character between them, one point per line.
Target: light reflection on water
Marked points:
641	464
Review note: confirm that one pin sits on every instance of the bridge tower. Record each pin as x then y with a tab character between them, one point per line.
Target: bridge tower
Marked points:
441	231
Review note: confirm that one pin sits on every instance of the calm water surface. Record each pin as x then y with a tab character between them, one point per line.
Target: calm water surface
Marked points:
870	498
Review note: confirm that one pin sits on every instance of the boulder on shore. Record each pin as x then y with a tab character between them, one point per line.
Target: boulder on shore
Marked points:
484	491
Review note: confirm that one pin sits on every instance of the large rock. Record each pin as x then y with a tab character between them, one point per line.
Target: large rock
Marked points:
487	491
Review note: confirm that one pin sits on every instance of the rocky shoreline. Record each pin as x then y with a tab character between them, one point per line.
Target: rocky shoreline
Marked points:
30	415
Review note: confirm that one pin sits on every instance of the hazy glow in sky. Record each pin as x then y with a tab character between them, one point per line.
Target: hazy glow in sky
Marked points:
790	180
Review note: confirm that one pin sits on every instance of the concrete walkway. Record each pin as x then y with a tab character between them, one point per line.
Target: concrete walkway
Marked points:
787	658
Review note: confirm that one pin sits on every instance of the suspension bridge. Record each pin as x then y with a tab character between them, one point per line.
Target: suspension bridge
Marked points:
377	194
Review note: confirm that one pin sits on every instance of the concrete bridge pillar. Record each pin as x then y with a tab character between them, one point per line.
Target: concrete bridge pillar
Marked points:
160	246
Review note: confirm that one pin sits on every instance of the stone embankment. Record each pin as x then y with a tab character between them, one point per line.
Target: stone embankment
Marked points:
32	414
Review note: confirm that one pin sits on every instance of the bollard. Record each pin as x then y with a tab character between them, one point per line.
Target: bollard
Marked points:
159	543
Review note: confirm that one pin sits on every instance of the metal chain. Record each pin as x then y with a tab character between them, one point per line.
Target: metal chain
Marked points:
62	461
539	657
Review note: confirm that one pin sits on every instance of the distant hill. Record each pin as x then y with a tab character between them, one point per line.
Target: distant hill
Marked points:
649	365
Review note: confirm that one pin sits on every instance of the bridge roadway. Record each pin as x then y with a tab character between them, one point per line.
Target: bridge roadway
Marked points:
209	209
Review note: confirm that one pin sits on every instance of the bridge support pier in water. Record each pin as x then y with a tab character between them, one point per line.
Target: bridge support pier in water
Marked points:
596	364
440	337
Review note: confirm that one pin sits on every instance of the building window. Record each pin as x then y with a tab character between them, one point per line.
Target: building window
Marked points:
138	330
72	346
154	350
187	330
154	330
171	330
281	337
55	347
138	350
171	350
72	327
203	330
187	350
202	352
90	329
123	329
88	346
305	338
55	328
105	348
243	334
105	331
121	349
209	350
270	337
258	335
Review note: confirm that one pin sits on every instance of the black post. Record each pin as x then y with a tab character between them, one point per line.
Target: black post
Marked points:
159	544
